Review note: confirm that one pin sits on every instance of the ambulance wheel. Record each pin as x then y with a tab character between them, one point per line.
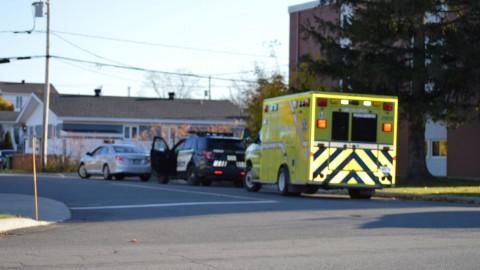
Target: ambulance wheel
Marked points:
310	190
248	181
364	194
283	182
192	176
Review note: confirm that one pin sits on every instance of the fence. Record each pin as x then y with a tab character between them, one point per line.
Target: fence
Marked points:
24	162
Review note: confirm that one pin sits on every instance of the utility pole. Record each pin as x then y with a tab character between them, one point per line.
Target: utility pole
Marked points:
209	87
46	93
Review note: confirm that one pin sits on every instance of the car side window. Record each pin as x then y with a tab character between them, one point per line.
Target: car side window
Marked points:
179	146
160	145
188	143
97	151
202	143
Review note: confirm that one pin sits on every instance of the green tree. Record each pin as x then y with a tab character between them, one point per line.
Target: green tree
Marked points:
7	142
425	52
267	87
303	79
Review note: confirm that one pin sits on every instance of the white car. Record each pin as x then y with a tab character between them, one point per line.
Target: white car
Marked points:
116	160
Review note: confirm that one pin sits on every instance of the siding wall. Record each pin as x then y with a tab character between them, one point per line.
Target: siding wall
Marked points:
463	152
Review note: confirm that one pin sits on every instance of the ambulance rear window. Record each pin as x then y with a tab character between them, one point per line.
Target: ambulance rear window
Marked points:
361	128
340	126
364	127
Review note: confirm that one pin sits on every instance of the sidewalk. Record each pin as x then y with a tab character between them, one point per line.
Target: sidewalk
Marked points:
49	211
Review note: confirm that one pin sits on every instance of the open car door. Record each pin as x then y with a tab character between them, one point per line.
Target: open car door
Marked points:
160	160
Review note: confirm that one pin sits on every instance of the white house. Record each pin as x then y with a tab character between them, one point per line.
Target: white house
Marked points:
78	123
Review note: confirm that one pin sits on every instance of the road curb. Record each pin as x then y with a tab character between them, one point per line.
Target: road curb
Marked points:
9	224
431	198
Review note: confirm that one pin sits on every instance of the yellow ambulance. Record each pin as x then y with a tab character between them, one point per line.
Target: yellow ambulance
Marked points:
325	140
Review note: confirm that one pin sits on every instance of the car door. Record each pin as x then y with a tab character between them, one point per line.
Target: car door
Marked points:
160	158
92	161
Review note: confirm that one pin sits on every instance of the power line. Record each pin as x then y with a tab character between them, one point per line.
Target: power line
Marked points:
97	72
85	50
148	70
160	44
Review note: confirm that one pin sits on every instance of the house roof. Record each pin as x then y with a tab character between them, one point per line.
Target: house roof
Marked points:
304	6
26	88
106	108
8	116
82	106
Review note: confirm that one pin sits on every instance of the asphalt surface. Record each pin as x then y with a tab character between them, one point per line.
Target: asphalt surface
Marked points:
52	211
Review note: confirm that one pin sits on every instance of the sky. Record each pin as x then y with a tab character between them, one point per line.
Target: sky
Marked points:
91	39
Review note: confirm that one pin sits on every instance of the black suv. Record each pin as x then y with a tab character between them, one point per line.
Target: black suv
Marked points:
200	158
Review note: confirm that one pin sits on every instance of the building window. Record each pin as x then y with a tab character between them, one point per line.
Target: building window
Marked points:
439	148
18	103
130	132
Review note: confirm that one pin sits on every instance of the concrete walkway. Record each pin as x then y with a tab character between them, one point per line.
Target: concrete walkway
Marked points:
49	211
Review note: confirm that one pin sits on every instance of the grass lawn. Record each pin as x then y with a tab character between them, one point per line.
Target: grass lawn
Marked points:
2	216
438	186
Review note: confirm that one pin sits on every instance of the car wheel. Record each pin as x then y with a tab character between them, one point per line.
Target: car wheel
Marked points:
145	177
106	173
82	172
248	181
119	177
192	176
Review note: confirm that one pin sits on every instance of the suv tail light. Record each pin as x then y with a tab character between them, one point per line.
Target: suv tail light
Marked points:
207	154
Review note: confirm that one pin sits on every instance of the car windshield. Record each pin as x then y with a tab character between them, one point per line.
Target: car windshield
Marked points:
127	149
227	144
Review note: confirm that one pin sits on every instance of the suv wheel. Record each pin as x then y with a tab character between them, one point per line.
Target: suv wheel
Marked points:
206	182
249	184
192	176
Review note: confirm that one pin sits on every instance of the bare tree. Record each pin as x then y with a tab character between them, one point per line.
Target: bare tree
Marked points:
182	83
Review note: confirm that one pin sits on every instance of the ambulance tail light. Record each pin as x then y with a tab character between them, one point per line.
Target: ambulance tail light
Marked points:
387	127
322	102
387	106
322	123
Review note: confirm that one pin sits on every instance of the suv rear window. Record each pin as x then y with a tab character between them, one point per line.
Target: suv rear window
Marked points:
227	144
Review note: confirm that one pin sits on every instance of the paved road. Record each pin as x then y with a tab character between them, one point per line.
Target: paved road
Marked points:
134	225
